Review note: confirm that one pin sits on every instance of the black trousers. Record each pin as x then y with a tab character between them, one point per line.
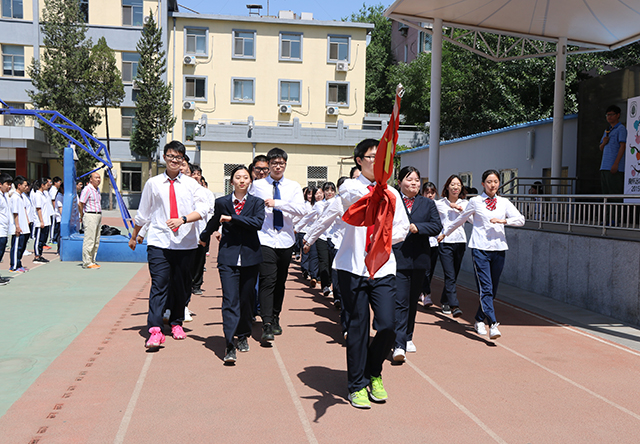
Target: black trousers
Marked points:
364	357
18	245
409	287
170	272
451	259
198	268
238	289
274	270
426	286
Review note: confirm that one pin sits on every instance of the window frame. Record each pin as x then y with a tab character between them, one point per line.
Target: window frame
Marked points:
233	44
333	82
12	10
195	98
122	119
280	40
253	83
12	56
131	9
282	102
131	63
329	59
86	4
184	131
206	41
124	171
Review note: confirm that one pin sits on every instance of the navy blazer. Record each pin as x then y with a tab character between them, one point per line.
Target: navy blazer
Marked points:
413	252
240	235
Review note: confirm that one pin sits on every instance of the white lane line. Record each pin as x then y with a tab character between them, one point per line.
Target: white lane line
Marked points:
294	397
575	384
455	402
124	425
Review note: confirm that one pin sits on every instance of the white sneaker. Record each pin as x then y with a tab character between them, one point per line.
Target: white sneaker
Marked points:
398	355
166	316
187	315
411	348
27	253
426	301
480	328
494	333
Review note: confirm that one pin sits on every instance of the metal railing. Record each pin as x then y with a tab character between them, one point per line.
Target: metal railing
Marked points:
607	214
539	185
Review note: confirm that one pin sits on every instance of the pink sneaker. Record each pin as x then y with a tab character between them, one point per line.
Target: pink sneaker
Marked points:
178	332
156	338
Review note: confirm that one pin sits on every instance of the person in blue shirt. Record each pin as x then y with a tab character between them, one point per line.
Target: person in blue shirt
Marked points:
612	145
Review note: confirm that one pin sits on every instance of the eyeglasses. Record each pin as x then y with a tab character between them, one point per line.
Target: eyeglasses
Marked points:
611	114
262	170
278	164
369	158
172	158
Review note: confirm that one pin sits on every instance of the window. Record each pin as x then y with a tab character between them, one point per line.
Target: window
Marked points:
196	41
84	10
128	121
228	168
129	66
424	42
13	60
132	177
243	90
189	131
338	93
290	92
12	9
290	46
195	88
132	12
506	178
316	176
467	179
244	44
13	120
339	48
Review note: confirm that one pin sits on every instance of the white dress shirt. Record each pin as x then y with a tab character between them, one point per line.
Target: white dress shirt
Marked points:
448	215
324	225
154	209
291	203
351	255
6	216
486	235
211	201
298	223
20	206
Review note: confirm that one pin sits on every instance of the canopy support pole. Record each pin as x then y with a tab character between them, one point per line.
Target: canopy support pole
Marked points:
436	90
558	111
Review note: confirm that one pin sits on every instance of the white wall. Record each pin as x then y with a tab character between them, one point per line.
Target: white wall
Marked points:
499	149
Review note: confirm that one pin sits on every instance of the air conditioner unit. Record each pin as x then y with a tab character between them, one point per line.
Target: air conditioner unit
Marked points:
342	66
146	19
135	85
189	60
189	105
284	109
333	110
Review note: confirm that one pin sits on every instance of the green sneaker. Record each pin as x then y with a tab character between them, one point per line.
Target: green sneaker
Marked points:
377	392
360	399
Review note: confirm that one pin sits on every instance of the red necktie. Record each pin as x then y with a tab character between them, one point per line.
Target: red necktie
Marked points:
238	205
369	228
173	203
408	202
491	203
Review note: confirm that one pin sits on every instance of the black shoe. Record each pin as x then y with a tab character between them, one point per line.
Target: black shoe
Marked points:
267	333
196	291
277	330
456	313
41	259
243	345
4	281
230	355
446	309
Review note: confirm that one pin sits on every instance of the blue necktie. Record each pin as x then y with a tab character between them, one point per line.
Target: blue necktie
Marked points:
278	219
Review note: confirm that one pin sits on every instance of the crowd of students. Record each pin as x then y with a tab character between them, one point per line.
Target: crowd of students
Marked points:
29	210
268	220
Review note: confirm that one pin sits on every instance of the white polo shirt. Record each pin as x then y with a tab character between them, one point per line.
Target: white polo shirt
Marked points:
20	205
6	216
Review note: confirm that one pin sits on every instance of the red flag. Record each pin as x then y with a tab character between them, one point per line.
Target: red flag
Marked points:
377	208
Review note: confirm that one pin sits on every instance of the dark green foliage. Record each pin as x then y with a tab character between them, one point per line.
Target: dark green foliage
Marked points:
153	105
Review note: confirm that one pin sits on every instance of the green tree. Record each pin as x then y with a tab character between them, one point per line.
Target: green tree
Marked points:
108	85
378	99
153	115
62	77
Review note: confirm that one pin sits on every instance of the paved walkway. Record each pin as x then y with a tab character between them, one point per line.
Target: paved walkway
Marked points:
558	374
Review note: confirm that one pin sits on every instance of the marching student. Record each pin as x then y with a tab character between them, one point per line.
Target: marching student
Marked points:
430	191
488	245
451	249
43	221
412	258
170	203
324	246
239	256
6	216
20	210
309	259
283	198
361	292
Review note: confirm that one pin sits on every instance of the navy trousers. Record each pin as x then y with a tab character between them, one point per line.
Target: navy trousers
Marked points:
273	275
409	285
451	259
170	272
238	287
426	286
198	268
488	267
365	357
3	246
40	237
18	245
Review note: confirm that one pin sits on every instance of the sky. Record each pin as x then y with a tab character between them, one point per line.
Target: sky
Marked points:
321	9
